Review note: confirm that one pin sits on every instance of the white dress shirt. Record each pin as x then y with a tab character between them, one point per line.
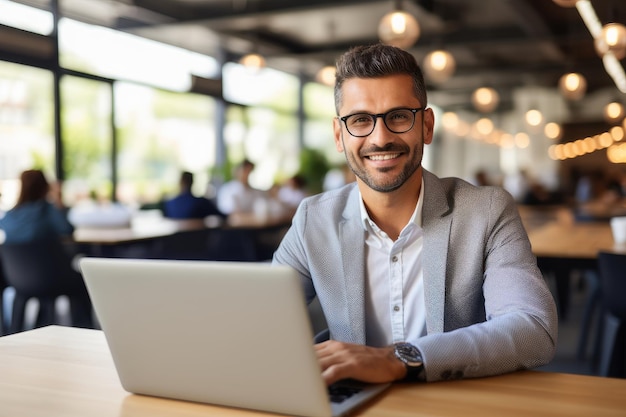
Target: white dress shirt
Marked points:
394	297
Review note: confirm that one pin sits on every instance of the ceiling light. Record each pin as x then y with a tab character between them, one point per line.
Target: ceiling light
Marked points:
522	140
566	3
253	62
326	75
612	39
552	131
613	112
450	120
485	99
439	66
399	28
534	117
573	86
484	126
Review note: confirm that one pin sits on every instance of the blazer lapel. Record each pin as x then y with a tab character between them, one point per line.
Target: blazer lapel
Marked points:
353	260
436	221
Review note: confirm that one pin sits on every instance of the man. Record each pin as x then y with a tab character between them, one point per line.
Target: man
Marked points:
419	278
187	206
237	195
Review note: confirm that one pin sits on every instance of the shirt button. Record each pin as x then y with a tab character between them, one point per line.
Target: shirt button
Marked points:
394	259
396	308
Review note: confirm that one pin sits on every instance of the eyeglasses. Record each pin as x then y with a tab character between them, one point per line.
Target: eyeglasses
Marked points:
397	121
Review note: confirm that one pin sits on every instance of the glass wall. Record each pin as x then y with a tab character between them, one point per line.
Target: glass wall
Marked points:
267	132
87	139
160	134
26	126
129	126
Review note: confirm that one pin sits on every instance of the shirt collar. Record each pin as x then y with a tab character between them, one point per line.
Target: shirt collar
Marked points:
415	218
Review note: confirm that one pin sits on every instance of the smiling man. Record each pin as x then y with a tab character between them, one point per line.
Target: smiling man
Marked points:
419	278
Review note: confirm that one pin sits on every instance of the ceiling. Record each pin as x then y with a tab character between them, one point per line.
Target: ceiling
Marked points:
504	44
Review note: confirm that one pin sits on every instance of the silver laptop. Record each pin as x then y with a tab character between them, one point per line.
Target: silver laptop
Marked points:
227	333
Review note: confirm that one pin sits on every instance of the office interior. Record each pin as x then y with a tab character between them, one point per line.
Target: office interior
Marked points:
114	98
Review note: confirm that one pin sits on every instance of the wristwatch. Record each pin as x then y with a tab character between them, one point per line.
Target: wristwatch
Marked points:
412	359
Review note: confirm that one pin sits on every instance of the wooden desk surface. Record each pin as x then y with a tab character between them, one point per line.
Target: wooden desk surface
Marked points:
571	240
554	233
62	371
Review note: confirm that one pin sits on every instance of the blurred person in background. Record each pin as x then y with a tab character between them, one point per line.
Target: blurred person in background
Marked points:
188	206
237	196
39	212
40	215
292	192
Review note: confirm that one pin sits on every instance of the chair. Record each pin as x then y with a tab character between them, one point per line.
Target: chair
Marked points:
43	270
612	268
3	286
186	245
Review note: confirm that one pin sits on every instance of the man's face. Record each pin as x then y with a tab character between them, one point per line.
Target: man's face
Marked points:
383	160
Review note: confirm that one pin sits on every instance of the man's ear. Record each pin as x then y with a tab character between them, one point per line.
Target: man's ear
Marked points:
337	134
429	125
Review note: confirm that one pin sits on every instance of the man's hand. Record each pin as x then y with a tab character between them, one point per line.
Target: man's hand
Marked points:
368	364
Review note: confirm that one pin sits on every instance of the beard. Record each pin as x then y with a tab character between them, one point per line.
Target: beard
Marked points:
386	185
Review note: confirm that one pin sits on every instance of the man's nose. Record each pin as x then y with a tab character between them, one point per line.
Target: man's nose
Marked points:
381	134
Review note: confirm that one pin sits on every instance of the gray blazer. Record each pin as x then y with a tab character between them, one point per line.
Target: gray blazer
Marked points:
488	308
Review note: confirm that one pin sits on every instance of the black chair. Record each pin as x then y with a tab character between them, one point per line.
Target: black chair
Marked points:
43	270
3	286
186	245
613	291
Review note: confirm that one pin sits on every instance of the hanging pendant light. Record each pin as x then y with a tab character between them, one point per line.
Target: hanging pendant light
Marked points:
553	130
614	112
612	39
326	75
439	65
399	28
485	99
253	62
573	86
533	117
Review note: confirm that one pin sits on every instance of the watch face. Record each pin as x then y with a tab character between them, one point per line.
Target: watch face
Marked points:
408	354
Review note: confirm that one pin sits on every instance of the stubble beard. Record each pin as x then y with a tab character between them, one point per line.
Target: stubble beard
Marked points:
394	183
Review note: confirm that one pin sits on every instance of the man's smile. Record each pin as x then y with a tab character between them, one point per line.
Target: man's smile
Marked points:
383	157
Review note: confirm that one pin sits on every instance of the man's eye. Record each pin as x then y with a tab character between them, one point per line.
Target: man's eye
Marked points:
360	119
399	116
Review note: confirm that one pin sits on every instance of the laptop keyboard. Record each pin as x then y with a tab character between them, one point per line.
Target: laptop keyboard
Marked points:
341	391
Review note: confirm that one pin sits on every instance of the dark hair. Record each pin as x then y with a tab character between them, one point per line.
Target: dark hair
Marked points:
378	60
186	179
35	186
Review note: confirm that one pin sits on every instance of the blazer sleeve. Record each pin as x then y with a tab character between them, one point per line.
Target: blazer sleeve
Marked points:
499	315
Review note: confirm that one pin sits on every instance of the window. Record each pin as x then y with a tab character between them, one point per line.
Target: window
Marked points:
26	126
159	134
87	139
267	133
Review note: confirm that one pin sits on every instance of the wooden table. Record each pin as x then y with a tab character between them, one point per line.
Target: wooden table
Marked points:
571	240
62	371
563	244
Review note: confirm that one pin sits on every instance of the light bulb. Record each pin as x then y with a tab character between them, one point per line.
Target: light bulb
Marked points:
573	86
613	112
439	66
534	117
399	29
485	99
612	39
326	75
253	62
552	130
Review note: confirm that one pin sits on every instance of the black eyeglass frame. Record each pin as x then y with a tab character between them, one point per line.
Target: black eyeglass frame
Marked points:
382	116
